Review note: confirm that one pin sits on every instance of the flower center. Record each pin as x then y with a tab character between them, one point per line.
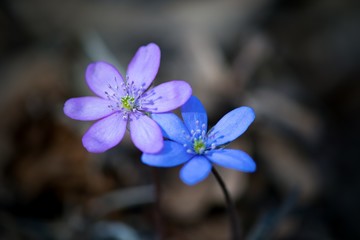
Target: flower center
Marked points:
199	146
197	140
128	102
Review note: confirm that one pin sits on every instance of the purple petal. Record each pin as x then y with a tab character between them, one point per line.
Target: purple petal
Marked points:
146	134
232	125
171	155
104	80
144	66
166	97
235	159
196	170
87	108
172	127
105	134
194	114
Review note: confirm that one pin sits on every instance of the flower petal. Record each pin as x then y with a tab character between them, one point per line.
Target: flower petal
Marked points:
194	114
166	97
232	125
104	79
171	155
196	170
146	134
235	159
144	66
105	134
172	127
87	108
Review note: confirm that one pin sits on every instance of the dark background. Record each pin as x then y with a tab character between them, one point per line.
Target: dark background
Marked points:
297	63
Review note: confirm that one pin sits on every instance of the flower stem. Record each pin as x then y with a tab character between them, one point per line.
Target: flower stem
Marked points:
157	213
233	216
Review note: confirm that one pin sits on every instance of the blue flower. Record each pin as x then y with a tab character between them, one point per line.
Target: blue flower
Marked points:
189	142
122	102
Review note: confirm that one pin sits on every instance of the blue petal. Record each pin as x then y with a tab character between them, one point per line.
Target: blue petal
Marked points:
105	133
194	114
88	108
144	66
104	79
172	127
166	97
196	170
171	155
231	126
235	159
145	134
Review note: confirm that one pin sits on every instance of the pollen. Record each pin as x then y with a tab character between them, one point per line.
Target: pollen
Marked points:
199	146
128	102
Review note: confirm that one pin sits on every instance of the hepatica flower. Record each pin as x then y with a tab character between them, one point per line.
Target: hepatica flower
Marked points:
126	101
190	143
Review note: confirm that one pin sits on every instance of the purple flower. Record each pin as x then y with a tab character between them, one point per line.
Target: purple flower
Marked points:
190	143
121	101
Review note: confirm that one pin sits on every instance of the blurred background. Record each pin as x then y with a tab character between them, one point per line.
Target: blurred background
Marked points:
297	63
